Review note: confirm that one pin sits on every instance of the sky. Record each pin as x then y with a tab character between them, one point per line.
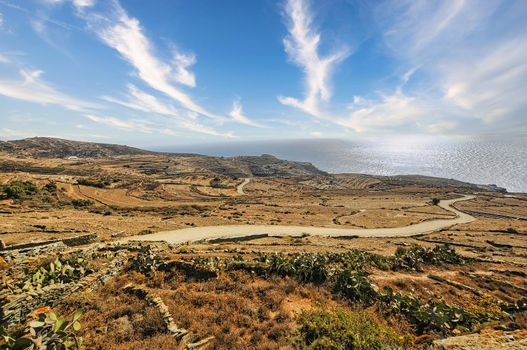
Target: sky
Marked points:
168	72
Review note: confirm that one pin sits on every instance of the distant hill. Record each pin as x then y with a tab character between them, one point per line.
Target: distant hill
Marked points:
260	166
246	166
49	147
438	182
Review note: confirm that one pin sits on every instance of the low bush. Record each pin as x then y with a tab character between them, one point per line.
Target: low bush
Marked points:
343	329
356	287
50	187
428	317
411	259
57	272
216	183
93	183
20	189
47	331
81	203
146	261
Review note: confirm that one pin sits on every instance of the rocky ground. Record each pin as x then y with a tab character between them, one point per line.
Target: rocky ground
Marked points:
459	288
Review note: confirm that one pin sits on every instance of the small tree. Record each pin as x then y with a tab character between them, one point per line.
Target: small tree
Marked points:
435	201
50	187
19	189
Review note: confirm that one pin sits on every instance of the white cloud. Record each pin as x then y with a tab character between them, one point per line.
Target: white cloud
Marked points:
4	59
302	48
9	134
238	116
38	26
410	28
144	102
203	129
129	125
126	35
315	133
137	125
80	4
1	20
471	52
33	89
492	87
181	74
390	112
168	132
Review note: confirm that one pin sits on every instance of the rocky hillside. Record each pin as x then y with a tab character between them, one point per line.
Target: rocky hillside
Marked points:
48	147
155	163
258	166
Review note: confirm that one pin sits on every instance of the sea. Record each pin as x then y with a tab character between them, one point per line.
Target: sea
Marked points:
499	161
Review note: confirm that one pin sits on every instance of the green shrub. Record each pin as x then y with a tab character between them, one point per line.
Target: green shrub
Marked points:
411	259
306	268
50	187
429	317
342	329
47	331
356	287
146	261
56	272
81	203
435	201
216	183
19	189
93	183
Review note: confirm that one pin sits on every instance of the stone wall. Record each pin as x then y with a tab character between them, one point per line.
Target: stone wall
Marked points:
17	310
72	241
188	339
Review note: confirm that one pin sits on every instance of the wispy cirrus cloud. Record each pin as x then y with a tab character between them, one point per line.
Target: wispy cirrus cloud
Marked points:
126	35
129	124
142	101
80	4
238	116
493	87
123	124
33	88
194	125
180	64
302	46
386	113
472	53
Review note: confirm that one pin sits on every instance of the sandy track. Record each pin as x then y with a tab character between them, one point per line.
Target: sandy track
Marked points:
229	231
239	188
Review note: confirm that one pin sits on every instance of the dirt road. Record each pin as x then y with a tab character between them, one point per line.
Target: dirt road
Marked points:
229	231
239	188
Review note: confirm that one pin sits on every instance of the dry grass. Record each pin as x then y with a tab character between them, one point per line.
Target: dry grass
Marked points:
114	319
241	311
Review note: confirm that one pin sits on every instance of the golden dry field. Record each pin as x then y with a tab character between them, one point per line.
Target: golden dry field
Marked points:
461	287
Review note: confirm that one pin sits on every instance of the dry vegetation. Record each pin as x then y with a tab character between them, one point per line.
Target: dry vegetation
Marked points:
232	290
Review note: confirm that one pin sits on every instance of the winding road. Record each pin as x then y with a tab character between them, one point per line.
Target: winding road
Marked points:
239	188
233	231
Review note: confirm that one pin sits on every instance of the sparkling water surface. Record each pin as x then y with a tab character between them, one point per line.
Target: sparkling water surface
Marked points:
501	162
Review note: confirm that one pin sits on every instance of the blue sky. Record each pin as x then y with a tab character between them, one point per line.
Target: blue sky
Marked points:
168	72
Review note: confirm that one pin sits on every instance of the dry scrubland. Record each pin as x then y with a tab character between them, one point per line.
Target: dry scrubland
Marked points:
461	287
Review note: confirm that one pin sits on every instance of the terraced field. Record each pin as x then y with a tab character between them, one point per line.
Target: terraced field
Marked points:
288	263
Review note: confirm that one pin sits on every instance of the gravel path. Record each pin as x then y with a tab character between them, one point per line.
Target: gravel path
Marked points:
239	188
229	231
